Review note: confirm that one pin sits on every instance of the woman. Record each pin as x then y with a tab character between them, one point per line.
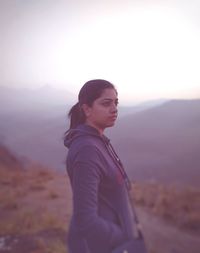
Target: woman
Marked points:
101	219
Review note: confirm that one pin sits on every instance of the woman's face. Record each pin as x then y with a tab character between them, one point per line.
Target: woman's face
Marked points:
103	112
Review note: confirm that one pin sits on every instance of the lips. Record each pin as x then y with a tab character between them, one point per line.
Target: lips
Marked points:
114	117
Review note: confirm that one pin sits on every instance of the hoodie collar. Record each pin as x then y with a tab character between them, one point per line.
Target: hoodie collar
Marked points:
83	130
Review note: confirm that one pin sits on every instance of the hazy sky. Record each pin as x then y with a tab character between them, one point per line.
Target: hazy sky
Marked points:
148	49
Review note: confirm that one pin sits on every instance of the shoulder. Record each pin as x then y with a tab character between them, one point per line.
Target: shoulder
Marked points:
89	149
88	142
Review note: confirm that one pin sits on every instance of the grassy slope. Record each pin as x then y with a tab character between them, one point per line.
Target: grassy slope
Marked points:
35	208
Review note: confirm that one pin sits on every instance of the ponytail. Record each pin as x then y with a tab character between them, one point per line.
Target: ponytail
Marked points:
76	116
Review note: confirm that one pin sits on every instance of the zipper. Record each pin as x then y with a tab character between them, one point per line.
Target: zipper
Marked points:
119	165
136	229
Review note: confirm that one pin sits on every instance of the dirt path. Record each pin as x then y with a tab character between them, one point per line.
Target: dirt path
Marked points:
162	237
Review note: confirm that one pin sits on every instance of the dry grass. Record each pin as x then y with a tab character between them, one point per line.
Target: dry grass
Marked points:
56	246
53	194
37	186
32	201
19	220
37	199
11	177
179	206
35	202
8	201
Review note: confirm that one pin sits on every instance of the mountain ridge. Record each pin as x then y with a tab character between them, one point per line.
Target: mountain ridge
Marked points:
164	141
158	143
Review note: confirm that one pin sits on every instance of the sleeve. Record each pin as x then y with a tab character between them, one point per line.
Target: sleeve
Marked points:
86	178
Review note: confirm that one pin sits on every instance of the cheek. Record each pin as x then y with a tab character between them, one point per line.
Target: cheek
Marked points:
97	115
101	112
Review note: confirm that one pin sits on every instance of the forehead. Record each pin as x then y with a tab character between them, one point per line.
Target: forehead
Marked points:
108	94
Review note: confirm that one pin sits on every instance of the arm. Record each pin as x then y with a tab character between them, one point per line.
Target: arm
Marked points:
86	178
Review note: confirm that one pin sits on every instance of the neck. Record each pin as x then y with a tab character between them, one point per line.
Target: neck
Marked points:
101	131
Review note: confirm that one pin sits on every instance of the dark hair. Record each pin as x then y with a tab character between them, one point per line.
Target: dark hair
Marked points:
90	91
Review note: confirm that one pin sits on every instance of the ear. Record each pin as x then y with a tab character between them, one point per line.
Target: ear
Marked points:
86	110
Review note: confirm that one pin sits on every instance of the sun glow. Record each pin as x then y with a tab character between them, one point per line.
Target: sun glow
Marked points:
146	51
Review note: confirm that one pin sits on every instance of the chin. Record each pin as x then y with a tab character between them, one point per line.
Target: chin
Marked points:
111	124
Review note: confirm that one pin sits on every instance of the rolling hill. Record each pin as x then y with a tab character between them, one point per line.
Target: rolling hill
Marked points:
161	143
156	142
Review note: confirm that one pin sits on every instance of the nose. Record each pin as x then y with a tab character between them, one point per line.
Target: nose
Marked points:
114	108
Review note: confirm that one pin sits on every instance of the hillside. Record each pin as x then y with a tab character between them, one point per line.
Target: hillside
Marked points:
161	143
33	122
36	206
24	99
157	141
36	135
9	160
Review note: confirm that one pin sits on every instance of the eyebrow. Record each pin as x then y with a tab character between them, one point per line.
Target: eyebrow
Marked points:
109	99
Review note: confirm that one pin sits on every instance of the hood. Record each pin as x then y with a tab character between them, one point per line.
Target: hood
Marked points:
83	130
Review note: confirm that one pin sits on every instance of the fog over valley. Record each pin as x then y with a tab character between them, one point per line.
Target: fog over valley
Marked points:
156	140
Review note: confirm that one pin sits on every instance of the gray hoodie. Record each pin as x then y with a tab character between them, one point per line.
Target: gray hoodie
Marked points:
101	217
